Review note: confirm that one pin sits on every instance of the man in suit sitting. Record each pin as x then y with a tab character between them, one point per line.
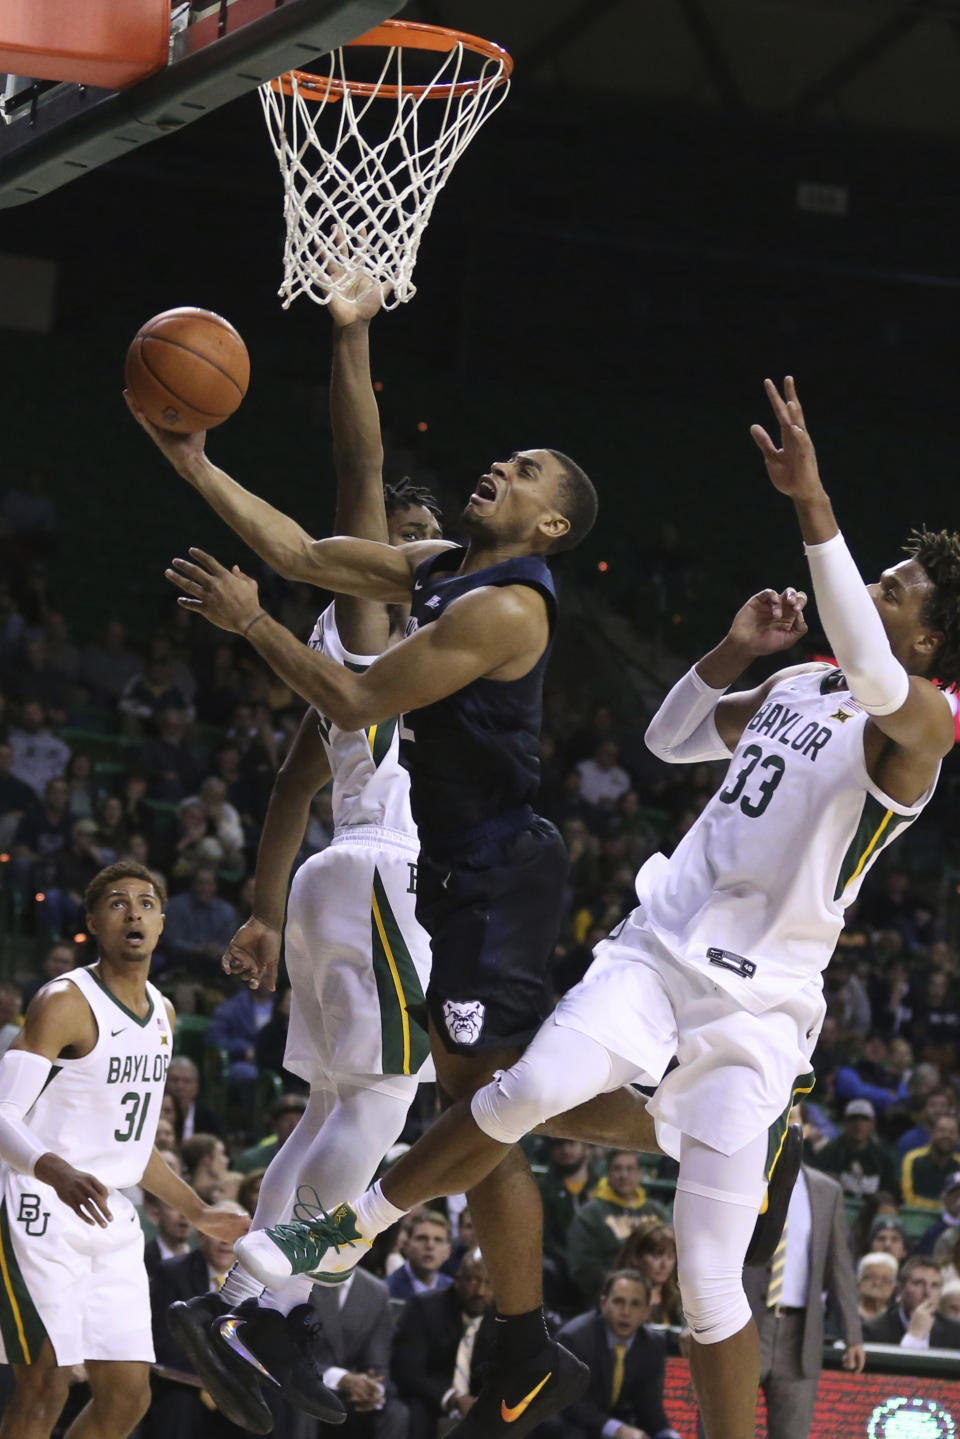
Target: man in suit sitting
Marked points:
428	1247
626	1362
812	1258
353	1353
443	1341
912	1320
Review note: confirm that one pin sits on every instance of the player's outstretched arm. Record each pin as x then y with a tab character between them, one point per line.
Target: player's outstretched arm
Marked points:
698	721
494	633
364	568
908	709
57	1018
253	953
160	1181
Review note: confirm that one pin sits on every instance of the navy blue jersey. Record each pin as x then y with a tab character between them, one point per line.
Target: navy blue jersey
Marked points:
474	757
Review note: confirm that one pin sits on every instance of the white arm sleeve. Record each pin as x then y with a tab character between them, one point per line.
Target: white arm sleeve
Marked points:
684	728
850	622
22	1077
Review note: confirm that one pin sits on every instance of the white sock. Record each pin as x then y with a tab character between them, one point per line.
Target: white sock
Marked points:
374	1212
240	1285
285	1297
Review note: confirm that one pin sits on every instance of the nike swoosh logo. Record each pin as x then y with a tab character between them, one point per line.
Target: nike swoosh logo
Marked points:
508	1415
418	584
229	1330
115	1032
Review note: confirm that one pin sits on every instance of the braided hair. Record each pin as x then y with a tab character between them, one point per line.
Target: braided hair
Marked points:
938	551
406	495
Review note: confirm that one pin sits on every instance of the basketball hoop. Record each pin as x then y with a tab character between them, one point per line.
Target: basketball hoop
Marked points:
359	196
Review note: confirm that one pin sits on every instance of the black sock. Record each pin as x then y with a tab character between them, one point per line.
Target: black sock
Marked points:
520	1336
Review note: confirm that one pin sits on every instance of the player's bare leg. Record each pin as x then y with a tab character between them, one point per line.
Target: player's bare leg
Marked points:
503	1186
618	1120
37	1402
119	1398
726	1377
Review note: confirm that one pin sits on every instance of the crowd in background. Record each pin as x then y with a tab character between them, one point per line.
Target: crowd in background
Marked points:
163	747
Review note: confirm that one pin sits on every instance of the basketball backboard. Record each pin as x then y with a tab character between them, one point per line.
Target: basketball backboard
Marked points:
51	133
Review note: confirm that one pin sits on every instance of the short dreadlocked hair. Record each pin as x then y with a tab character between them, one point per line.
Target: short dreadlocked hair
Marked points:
405	495
938	551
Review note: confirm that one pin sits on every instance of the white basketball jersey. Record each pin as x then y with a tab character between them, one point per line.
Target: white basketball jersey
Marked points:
370	786
100	1112
754	893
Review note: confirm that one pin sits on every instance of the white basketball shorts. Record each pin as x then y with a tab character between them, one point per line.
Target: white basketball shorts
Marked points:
82	1287
737	1073
358	963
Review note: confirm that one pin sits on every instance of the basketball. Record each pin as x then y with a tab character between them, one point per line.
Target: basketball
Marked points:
187	369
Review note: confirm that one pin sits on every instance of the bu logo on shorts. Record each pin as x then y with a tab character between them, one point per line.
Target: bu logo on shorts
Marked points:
31	1215
464	1019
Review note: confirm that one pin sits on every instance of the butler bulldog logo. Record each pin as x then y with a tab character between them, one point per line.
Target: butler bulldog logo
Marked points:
464	1019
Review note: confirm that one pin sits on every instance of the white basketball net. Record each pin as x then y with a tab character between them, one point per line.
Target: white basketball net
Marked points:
355	200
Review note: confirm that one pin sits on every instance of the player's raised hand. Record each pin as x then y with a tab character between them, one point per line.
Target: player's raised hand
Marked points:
770	622
253	954
793	467
83	1193
180	450
354	293
224	1224
229	599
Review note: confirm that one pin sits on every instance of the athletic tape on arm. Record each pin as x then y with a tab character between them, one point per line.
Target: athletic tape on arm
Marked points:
684	728
22	1077
877	679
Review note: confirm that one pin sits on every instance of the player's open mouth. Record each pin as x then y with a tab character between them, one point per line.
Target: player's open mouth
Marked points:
486	490
134	936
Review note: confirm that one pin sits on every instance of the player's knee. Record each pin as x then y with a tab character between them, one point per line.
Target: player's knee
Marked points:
122	1404
714	1302
512	1104
43	1388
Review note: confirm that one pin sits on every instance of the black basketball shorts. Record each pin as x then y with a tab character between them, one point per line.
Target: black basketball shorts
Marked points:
493	915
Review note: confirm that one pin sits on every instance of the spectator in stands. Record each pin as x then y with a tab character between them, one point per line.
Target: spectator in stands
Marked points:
352	1352
112	824
949	1306
466	1240
616	1205
602	779
936	1103
936	1015
443	1341
147	694
43	831
924	1171
893	906
199	926
196	845
74	866
59	959
652	1249
16	796
240	792
220	688
627	1363
172	768
876	1281
32	677
38	755
223	822
285	1113
251	731
234	1028
888	1236
177	1408
85	794
174	1230
912	1320
205	1165
949	1221
564	1188
786	1296
137	814
870	1077
11	1013
846	996
105	668
271	1042
946	1253
248	1190
428	1249
856	1159
183	1085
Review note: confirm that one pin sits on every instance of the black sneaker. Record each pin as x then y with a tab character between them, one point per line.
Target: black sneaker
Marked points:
515	1398
771	1219
236	1395
280	1348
